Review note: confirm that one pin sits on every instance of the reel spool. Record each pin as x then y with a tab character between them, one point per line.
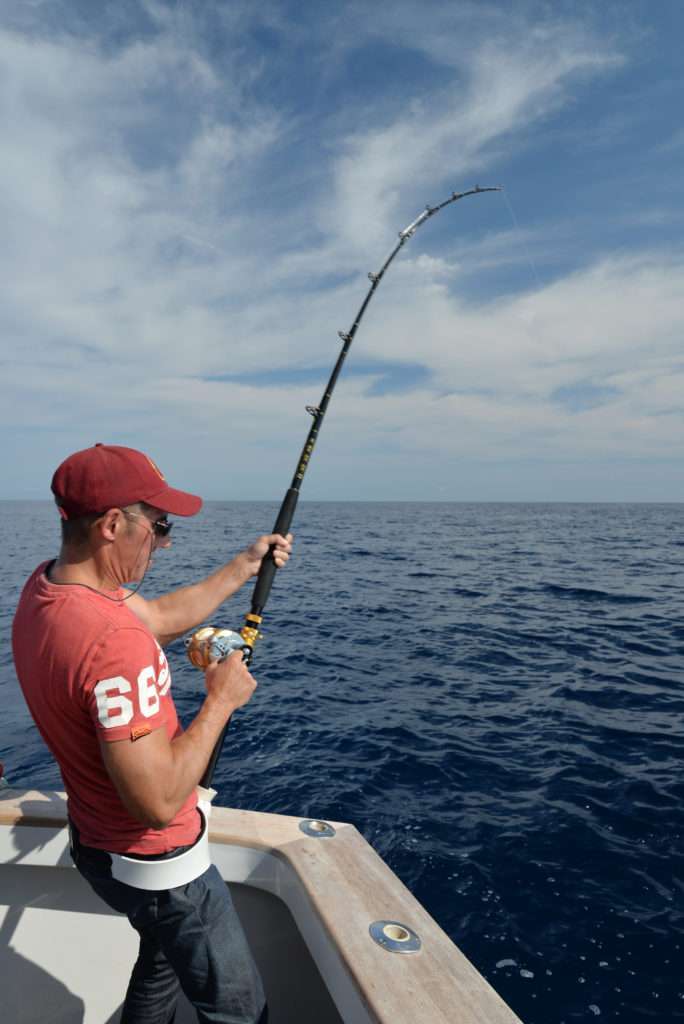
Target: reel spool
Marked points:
213	644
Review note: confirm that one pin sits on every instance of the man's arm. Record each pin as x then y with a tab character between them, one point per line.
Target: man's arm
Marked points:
176	613
154	776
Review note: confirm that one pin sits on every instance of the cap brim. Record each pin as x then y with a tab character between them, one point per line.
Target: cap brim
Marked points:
177	503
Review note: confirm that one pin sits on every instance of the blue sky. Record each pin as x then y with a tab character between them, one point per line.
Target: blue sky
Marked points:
193	192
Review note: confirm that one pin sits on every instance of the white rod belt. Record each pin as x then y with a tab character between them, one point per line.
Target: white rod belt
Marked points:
155	875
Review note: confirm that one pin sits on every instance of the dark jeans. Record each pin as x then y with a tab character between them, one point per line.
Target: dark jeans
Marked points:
190	939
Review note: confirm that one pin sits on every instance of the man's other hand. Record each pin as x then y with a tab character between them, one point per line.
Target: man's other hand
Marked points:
255	553
229	681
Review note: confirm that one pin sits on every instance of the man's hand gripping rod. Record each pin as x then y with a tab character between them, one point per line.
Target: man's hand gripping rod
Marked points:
209	643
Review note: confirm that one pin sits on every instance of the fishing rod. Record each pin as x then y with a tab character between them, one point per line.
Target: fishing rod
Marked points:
210	643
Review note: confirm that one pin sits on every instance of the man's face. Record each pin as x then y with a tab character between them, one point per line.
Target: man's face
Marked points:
143	531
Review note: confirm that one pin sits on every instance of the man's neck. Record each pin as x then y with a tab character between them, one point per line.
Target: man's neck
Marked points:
68	568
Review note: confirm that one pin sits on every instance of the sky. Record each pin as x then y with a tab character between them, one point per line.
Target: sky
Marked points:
193	192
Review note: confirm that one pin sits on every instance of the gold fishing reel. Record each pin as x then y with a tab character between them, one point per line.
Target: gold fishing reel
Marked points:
211	643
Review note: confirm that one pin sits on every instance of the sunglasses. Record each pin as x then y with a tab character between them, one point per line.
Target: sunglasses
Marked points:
160	527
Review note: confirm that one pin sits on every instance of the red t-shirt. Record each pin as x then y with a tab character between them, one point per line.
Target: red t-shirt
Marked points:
90	671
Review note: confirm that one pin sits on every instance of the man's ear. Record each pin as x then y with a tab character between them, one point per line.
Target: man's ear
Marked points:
111	524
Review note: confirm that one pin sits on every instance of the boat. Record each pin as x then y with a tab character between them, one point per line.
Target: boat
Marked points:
337	936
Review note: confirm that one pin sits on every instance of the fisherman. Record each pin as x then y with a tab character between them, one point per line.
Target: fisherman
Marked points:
89	659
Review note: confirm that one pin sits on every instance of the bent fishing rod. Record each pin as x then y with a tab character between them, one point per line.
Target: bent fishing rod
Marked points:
210	643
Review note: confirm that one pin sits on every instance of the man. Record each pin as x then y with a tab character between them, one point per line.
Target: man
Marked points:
89	660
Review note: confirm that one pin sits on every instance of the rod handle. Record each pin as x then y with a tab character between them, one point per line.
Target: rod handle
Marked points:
259	598
268	568
205	781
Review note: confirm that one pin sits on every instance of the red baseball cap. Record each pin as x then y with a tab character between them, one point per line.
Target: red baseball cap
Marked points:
110	476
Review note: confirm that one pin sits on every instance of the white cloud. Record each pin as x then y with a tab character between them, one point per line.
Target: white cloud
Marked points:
503	88
142	253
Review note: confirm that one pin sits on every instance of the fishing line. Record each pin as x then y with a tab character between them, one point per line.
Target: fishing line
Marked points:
521	239
209	643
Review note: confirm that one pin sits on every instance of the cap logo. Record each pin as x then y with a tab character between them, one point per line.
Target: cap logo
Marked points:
156	468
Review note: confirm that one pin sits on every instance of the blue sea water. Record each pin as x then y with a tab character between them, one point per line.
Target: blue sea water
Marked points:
492	693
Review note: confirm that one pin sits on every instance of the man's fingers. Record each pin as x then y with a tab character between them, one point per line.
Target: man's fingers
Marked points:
282	548
279	540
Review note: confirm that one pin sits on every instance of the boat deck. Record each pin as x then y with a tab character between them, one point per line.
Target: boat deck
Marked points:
65	957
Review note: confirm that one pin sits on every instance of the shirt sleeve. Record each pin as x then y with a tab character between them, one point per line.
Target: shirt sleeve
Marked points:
129	680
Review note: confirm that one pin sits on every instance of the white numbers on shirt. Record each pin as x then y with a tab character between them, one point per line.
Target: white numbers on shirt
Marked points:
164	677
110	694
115	708
147	692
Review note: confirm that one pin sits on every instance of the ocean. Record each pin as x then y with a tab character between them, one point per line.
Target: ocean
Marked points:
491	693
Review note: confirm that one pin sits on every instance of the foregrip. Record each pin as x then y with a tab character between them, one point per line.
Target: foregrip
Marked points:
268	568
